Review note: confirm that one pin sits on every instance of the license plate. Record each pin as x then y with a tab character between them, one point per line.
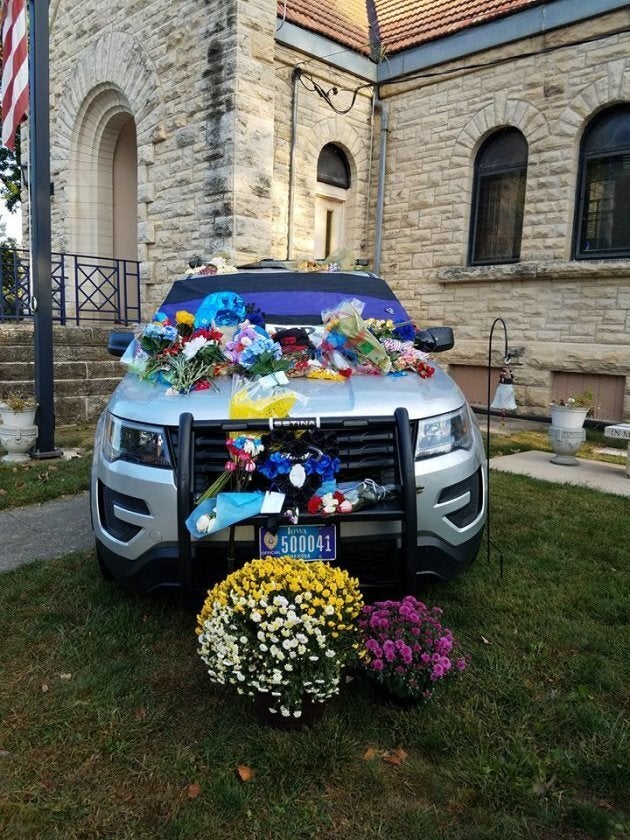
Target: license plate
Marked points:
304	542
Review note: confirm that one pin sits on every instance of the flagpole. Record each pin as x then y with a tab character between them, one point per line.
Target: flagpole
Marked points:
39	163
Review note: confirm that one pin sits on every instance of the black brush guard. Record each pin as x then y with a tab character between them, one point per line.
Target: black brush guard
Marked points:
401	508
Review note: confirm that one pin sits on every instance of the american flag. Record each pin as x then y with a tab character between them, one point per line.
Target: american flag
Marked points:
14	69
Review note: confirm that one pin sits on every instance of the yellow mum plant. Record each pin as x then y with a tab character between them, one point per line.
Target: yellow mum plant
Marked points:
283	628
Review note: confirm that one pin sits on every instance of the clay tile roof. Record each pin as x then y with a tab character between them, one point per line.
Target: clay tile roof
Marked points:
397	24
344	21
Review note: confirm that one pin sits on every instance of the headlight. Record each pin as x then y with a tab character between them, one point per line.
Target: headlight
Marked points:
124	440
438	435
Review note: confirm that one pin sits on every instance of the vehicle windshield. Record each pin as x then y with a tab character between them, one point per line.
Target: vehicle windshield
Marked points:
287	297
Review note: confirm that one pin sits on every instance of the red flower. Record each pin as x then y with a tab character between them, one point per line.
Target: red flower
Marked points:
339	496
201	385
314	504
347	372
424	370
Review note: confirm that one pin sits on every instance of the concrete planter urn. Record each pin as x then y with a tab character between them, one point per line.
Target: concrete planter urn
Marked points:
15	419
17	441
567	433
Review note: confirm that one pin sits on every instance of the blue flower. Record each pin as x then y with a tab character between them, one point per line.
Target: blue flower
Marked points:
276	464
405	332
324	466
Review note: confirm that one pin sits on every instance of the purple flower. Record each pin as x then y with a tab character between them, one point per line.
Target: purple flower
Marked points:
437	672
373	646
389	650
376	664
461	664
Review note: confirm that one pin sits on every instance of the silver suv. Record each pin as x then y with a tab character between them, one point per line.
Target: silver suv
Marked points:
155	453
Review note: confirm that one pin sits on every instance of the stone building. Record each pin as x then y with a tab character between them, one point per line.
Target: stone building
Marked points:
476	154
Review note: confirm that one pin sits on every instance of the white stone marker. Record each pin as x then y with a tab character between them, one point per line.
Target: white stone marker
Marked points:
621	432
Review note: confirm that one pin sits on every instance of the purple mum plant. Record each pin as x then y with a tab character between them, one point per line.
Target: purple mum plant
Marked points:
407	650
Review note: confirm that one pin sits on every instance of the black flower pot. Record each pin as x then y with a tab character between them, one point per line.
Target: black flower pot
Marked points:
386	697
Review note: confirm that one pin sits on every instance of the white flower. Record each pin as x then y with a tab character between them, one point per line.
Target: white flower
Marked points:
330	653
284	711
192	347
204	522
297	713
297	476
329	609
256	616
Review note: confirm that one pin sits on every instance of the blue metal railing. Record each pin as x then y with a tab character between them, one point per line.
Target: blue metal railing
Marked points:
84	288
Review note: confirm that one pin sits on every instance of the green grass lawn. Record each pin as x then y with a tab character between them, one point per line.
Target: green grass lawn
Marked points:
39	481
108	719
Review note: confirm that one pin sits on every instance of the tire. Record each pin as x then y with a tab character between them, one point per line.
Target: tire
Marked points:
102	565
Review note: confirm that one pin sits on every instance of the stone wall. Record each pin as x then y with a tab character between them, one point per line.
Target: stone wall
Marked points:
317	125
210	93
568	315
85	374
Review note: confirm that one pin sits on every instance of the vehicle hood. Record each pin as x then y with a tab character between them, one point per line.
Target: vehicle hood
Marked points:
358	396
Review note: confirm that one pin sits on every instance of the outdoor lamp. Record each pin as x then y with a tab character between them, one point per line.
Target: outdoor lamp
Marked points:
504	395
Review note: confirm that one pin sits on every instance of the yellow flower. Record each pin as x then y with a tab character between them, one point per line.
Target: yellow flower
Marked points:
186	318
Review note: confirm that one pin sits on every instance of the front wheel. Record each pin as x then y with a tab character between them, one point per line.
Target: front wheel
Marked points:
102	565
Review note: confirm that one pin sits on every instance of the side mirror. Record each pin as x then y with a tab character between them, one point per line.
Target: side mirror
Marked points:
118	342
435	339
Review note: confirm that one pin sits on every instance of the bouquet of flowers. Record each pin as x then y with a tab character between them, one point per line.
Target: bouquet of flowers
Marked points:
300	465
209	515
281	628
349	336
184	357
406	649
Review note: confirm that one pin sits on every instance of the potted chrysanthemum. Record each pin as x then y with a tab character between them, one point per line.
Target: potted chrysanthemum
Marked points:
281	630
405	649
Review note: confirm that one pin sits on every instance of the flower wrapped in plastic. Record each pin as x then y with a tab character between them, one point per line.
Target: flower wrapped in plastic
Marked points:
347	331
213	513
283	629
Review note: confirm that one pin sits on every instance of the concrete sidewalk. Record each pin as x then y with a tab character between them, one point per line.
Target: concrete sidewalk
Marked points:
597	475
44	531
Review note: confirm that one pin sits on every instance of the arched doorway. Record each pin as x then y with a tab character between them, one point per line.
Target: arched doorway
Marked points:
125	193
103	192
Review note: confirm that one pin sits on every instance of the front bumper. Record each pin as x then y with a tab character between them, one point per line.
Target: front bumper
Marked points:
134	516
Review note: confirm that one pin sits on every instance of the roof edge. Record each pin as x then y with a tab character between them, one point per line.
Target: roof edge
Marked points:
494	33
324	49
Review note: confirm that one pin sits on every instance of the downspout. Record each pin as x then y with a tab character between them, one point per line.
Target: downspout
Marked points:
380	193
295	78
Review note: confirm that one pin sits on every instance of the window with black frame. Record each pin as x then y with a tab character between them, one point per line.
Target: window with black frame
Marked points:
602	227
498	199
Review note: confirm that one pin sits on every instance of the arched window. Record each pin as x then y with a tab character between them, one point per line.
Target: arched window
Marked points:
332	167
602	226
333	183
498	199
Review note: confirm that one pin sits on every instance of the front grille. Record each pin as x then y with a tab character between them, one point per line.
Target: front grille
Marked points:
469	512
118	528
363	454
